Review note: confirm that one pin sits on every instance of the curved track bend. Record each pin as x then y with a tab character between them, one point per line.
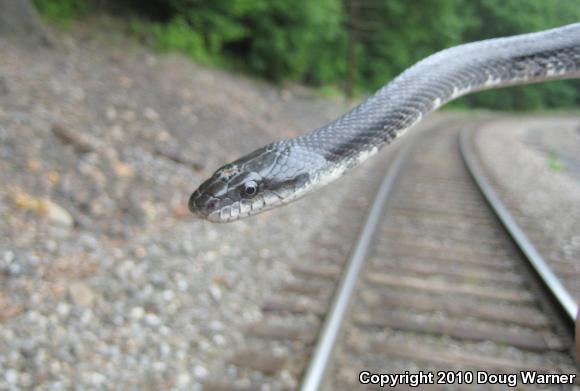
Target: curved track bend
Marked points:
442	287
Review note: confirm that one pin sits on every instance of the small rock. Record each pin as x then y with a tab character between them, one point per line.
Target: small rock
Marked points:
187	246
183	379
11	376
152	320
53	177
124	170
200	372
81	143
159	366
9	256
165	349
150	210
57	214
140	252
215	292
8	309
137	313
151	114
162	135
54	212
32	165
81	294
25	380
181	212
87	316
111	113
96	378
13	269
220	280
63	309
216	326
117	132
23	200
168	295
182	285
219	340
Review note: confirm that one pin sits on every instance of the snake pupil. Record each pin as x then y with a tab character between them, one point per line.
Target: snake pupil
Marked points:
250	188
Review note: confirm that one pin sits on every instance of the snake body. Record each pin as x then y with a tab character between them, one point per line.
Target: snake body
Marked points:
288	169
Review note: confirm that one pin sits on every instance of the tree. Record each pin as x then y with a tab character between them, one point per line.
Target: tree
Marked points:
18	19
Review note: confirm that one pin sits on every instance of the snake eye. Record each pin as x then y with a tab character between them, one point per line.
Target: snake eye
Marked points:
250	188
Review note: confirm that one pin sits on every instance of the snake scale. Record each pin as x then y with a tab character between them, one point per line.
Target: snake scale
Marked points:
288	169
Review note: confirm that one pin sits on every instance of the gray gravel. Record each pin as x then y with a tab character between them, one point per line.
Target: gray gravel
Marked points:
106	281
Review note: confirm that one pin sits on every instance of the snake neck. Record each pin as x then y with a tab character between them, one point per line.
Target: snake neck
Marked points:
438	79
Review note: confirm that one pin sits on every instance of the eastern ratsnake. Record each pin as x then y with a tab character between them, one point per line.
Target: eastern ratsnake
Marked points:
288	169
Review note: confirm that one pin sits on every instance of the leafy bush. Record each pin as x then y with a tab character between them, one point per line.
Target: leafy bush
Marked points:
61	12
174	35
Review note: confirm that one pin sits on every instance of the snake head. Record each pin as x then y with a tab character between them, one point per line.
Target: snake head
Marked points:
266	178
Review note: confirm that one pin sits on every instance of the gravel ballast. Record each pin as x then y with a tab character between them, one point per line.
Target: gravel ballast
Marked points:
106	280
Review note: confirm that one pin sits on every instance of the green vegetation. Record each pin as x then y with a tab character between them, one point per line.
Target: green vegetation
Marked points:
174	35
318	42
61	12
554	162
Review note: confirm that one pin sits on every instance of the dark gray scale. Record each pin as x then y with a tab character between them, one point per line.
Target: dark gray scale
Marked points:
466	68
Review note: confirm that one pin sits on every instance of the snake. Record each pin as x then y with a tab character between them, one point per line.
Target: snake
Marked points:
289	169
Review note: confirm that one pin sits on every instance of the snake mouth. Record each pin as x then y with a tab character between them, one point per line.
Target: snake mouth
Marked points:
212	209
202	205
216	210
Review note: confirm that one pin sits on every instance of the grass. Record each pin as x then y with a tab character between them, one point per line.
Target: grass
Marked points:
554	162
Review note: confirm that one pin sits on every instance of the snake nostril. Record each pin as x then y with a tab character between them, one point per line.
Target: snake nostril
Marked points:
211	205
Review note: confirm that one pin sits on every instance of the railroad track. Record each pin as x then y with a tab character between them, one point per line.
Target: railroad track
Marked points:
563	263
442	290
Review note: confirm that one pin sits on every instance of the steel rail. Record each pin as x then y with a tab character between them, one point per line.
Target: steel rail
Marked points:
557	290
316	371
